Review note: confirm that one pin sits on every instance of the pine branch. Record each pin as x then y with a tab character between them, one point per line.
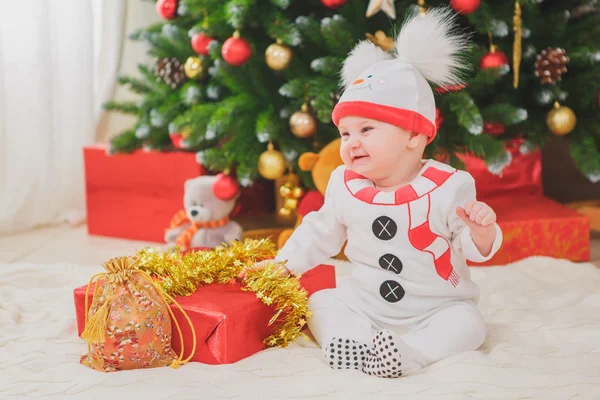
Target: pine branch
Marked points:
483	80
338	34
283	4
211	18
268	125
228	110
587	56
233	78
504	113
586	155
310	29
320	91
483	19
488	147
179	39
128	107
158	139
328	66
161	46
141	34
196	120
294	88
192	93
467	112
280	27
238	12
155	85
125	142
215	159
584	87
134	84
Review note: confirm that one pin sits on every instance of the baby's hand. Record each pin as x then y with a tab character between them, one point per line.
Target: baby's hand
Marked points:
480	219
261	265
477	215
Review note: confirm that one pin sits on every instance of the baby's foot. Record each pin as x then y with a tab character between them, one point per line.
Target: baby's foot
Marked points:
384	360
342	353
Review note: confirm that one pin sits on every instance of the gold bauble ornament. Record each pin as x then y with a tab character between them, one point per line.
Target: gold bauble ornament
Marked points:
285	212
561	120
297	192
194	68
303	124
290	204
271	163
278	56
286	190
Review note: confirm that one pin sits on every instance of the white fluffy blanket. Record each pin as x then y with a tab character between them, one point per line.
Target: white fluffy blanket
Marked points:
543	318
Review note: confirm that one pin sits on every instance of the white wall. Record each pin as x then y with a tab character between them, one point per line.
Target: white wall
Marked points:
140	13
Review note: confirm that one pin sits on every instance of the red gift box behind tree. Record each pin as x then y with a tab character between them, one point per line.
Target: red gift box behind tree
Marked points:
522	176
134	196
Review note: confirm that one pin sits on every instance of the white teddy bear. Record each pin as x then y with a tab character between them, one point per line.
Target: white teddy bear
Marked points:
205	221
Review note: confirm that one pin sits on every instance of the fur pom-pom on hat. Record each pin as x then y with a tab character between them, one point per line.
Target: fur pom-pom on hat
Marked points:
394	87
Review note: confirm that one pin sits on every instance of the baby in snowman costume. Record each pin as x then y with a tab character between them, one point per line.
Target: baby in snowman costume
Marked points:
410	224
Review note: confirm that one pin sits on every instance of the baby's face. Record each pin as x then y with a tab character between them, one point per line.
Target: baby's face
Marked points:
371	148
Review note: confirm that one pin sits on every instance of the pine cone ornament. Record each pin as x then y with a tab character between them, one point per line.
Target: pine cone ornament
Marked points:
550	64
171	71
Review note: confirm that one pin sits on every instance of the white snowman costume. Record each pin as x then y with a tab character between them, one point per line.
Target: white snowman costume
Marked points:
409	301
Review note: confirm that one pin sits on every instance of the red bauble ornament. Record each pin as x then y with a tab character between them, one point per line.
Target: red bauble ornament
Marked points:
236	50
438	118
200	43
176	139
333	4
493	128
167	9
225	187
493	59
465	7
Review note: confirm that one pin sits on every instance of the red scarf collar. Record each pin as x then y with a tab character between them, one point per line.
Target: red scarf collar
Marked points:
432	175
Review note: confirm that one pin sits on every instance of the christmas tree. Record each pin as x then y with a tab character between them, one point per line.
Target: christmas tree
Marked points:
249	85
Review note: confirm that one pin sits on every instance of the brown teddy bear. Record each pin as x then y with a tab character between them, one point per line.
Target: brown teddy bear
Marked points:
321	165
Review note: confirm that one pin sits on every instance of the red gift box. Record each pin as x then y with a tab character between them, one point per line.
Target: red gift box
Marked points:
523	176
538	226
230	324
134	196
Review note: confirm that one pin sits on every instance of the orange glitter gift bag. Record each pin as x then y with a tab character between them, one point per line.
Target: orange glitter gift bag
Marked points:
129	324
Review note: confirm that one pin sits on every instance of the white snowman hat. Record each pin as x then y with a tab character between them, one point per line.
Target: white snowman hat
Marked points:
394	88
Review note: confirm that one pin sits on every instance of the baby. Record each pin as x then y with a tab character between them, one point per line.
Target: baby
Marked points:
410	224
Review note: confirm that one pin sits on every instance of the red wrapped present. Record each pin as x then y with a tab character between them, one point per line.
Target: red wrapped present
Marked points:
523	176
134	196
229	324
538	226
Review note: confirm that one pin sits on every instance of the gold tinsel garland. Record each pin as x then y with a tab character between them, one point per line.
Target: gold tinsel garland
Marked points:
180	274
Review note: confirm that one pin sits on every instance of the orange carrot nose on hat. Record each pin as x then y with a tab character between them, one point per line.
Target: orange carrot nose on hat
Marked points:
394	88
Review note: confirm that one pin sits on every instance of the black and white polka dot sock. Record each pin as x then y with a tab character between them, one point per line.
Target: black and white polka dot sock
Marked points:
343	353
385	359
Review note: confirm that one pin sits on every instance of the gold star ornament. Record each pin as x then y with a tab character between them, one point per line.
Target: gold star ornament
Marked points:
387	6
